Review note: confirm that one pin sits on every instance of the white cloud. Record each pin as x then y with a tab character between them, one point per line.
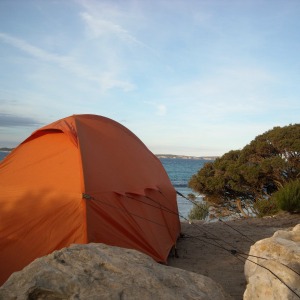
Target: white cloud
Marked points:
12	120
99	27
160	109
106	79
107	20
225	92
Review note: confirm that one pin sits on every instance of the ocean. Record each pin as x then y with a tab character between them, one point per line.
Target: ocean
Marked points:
3	154
179	171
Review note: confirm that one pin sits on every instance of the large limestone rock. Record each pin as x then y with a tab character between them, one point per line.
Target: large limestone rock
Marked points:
282	251
98	271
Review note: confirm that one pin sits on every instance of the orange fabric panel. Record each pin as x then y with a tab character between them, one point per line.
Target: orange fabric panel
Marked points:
129	222
43	162
66	125
41	201
169	211
114	159
134	221
116	162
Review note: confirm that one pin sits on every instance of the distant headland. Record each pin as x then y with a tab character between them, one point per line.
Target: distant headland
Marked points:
6	149
186	156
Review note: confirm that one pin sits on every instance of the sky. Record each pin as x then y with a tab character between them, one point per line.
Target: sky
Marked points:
196	77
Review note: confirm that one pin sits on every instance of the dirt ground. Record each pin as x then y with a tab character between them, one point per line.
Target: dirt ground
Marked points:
200	250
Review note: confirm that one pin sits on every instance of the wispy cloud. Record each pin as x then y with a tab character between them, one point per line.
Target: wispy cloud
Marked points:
106	80
225	92
34	51
213	73
10	120
160	109
100	27
113	21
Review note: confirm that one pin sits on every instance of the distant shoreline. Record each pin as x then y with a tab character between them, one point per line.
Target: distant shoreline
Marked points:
173	156
5	149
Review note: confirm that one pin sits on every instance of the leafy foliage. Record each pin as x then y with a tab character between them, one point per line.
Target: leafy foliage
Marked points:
191	196
199	211
288	197
258	170
266	207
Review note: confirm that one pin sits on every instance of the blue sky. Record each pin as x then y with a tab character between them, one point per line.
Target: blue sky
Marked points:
197	77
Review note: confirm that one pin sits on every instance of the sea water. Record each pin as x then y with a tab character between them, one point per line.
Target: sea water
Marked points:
179	171
3	154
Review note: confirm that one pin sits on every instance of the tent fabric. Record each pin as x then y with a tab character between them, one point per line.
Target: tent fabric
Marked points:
82	179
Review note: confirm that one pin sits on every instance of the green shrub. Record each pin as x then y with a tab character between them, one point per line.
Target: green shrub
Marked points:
191	196
199	211
266	207
288	197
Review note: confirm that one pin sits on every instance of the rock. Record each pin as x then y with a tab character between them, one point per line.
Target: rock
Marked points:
98	271
282	251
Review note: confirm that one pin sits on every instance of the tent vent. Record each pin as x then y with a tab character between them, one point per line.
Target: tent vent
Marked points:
86	196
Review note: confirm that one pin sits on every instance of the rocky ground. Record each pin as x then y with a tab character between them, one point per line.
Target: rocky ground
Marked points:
201	249
98	271
215	249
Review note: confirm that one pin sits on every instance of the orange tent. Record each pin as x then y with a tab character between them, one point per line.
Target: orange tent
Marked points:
83	179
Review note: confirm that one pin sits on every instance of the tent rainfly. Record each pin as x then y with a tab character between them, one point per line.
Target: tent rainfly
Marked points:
83	179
